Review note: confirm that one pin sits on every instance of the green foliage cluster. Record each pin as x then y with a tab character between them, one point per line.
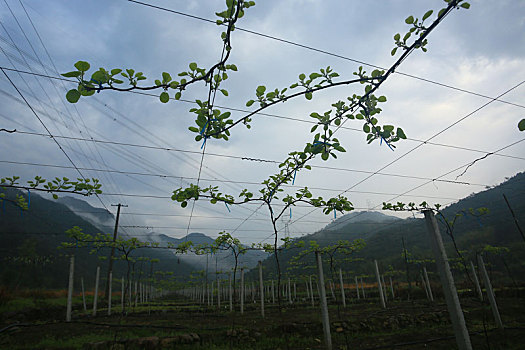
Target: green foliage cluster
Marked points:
82	186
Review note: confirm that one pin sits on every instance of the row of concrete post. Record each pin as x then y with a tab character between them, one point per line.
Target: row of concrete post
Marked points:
142	293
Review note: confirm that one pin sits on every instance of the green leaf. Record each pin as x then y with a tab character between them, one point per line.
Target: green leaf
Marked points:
409	20
401	134
366	128
166	77
224	92
308	95
302	76
100	77
388	128
82	66
73	96
85	91
193	66
381	99
465	5
427	14
55	196
116	71
521	125
397	37
249	103
393	51
261	89
74	74
178	95
164	97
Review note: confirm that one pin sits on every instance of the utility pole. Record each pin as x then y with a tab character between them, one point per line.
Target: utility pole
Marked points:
110	266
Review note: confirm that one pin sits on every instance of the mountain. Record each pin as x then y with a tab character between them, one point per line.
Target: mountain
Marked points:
384	234
222	260
98	217
360	216
30	257
105	221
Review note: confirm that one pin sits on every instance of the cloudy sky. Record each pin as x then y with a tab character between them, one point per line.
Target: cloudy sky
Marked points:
444	96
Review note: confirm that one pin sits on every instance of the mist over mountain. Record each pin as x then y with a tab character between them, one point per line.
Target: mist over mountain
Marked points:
105	221
99	217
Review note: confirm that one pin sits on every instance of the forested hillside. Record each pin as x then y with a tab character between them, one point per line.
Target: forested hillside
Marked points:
30	238
384	235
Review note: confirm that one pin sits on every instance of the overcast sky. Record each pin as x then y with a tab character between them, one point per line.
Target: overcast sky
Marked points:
481	50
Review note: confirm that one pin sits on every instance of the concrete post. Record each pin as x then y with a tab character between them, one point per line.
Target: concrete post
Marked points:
423	283
109	291
381	296
231	294
490	292
357	288
363	289
307	290
289	291
242	291
261	285
95	299
122	296
83	293
342	287
447	281
384	287
476	281
273	293
324	305
311	291
219	294
331	284
428	284
70	288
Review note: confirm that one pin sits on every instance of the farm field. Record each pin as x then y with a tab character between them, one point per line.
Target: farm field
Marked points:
176	323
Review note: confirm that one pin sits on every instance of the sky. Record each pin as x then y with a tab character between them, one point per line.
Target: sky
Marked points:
445	96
